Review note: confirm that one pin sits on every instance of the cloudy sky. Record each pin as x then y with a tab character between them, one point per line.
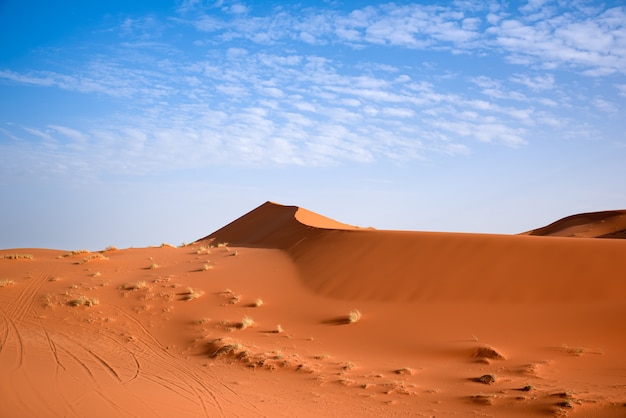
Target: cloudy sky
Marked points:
161	121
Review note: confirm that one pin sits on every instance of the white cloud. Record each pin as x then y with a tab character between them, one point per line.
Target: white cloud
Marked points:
38	133
539	82
604	105
69	132
595	43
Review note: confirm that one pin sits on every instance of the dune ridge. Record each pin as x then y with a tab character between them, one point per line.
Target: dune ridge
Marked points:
348	262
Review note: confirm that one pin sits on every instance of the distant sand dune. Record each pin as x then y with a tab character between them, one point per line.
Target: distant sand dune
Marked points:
607	224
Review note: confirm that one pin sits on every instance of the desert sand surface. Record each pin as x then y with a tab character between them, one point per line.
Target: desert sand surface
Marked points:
287	313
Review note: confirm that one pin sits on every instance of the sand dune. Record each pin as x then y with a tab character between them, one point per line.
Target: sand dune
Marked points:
285	312
607	224
342	261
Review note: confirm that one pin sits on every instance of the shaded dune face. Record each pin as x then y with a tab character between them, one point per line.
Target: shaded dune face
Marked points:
606	224
347	262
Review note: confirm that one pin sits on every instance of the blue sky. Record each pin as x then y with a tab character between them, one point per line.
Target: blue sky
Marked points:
136	123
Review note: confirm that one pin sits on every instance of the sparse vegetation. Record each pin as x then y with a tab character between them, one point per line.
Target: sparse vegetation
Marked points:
206	266
246	322
111	248
279	329
257	303
203	250
153	266
192	294
482	399
220	347
18	256
6	282
134	286
83	300
95	256
486	379
232	297
348	366
354	316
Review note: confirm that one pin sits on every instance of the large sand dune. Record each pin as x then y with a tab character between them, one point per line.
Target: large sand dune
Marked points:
260	319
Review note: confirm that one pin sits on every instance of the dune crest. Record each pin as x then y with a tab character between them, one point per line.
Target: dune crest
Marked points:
272	225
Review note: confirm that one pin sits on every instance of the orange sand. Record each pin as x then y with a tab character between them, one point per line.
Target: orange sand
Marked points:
451	324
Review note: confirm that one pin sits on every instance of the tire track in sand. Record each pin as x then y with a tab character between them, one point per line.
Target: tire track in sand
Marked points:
183	372
14	314
12	336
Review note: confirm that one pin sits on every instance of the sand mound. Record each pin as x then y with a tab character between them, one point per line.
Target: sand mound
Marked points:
606	224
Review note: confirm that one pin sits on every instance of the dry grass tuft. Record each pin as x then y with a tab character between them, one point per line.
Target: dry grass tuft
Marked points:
111	248
482	399
134	286
206	266
6	282
577	351
18	256
257	303
348	366
486	379
191	294
404	370
223	347
153	266
203	250
92	257
354	316
83	300
233	299
246	322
